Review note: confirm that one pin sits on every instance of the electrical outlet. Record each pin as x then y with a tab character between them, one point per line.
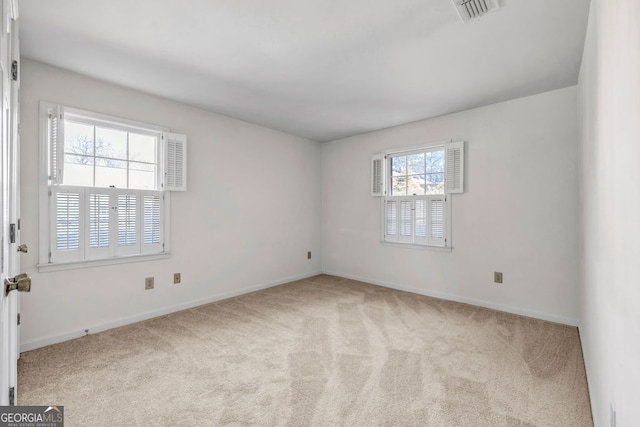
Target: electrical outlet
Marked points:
309	255
176	278
497	277
148	283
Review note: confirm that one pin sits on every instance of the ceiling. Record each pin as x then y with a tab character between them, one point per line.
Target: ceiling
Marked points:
321	69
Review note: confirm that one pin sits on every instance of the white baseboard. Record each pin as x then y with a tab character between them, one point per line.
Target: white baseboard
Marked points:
58	338
442	295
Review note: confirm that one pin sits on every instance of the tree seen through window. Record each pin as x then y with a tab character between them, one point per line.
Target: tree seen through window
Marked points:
417	174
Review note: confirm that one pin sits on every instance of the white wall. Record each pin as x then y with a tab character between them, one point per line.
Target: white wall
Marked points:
518	214
609	102
249	216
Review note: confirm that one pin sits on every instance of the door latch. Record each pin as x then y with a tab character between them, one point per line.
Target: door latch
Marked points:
23	248
21	283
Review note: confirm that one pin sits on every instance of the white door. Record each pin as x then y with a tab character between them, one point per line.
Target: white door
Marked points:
10	208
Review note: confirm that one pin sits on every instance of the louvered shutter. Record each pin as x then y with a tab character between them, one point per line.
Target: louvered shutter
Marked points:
152	222
377	175
398	220
56	144
175	149
421	220
405	220
66	236
454	173
391	220
437	220
99	226
128	242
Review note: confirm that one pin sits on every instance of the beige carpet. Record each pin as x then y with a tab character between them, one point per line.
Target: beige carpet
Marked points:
324	351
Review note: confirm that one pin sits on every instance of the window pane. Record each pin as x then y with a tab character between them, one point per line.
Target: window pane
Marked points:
142	148
399	186
78	138
111	143
435	183
415	163
142	176
415	185
435	172
399	165
435	161
78	170
111	173
435	178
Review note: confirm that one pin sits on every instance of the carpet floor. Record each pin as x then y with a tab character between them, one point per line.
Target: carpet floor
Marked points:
323	351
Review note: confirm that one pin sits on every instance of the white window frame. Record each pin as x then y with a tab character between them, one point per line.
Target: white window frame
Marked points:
46	203
412	241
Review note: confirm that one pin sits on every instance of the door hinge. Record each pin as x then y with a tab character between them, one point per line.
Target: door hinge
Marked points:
18	321
14	71
12	233
12	396
18	224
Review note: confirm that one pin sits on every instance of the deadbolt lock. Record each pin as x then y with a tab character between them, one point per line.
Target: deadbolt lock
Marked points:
21	283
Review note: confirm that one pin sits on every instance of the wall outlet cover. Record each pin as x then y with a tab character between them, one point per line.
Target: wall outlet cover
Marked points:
176	278
497	277
148	283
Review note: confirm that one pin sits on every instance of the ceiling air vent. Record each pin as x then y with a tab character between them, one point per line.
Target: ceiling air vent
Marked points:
473	9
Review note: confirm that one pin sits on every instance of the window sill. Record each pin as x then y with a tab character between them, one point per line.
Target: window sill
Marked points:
59	266
419	247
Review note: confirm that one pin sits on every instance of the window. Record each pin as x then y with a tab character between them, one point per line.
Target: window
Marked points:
106	187
416	186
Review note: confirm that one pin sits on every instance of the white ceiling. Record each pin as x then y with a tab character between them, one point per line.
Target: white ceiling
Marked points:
322	69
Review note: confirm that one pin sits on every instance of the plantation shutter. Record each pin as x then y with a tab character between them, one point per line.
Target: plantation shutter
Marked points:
391	220
436	220
421	218
377	175
152	221
66	236
56	144
127	220
405	221
175	150
454	173
99	225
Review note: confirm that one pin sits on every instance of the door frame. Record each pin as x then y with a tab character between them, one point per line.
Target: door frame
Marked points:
10	183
